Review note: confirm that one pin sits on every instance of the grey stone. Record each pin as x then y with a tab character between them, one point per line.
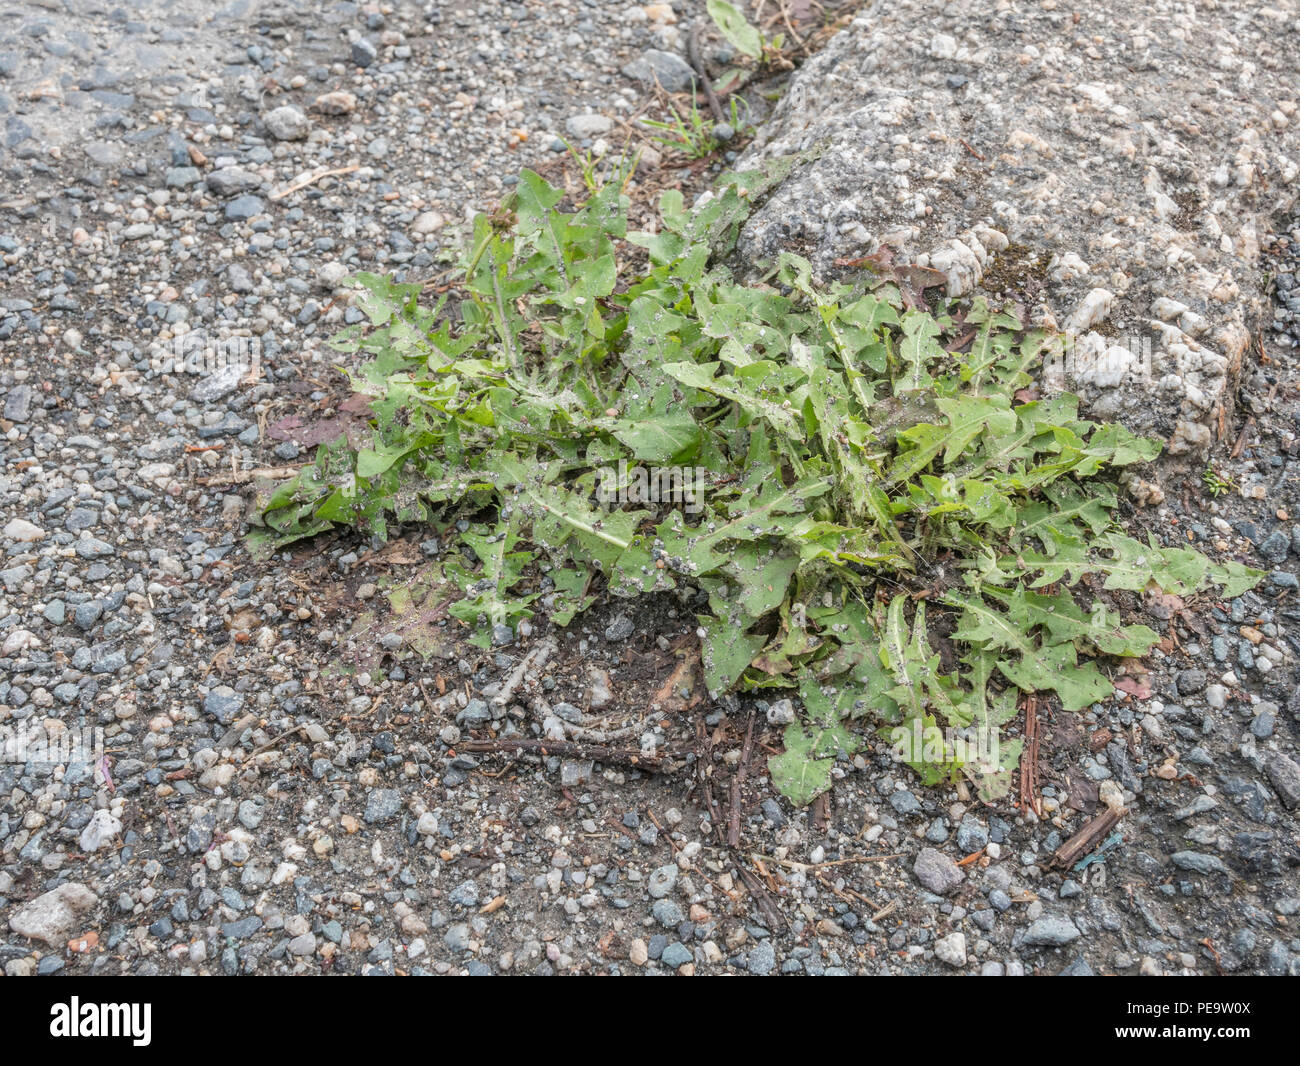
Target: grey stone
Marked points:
676	954
1262	725
904	802
304	944
1198	862
363	52
250	813
81	518
762	959
588	125
1051	931
951	949
53	916
382	805
457	937
937	872
18	403
86	614
1284	776
667	69
464	894
105	153
772	812
475	712
223	703
182	177
1122	765
287	123
574	772
198	835
972	834
232	181
620	628
218	385
1275	547
241	281
661	881
242	208
667	913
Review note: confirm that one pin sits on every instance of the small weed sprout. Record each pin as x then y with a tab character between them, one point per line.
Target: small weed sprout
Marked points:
1215	484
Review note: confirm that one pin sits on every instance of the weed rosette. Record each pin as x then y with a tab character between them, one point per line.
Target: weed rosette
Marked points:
888	522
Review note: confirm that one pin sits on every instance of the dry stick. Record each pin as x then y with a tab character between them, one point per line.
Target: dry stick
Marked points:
1242	437
427	698
885	911
821	811
605	736
238	477
272	743
693	54
1029	759
704	763
235	731
738	784
1087	838
845	892
667	835
789	25
757	891
791	864
293	732
311	179
627	756
537	656
762	900
614	823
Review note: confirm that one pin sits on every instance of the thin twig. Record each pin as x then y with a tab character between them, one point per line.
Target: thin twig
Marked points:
762	900
1086	839
1242	437
238	477
704	768
693	54
791	864
272	743
310	179
885	911
538	657
599	753
1029	798
738	785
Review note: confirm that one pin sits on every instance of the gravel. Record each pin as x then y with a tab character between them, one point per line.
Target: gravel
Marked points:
667	69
